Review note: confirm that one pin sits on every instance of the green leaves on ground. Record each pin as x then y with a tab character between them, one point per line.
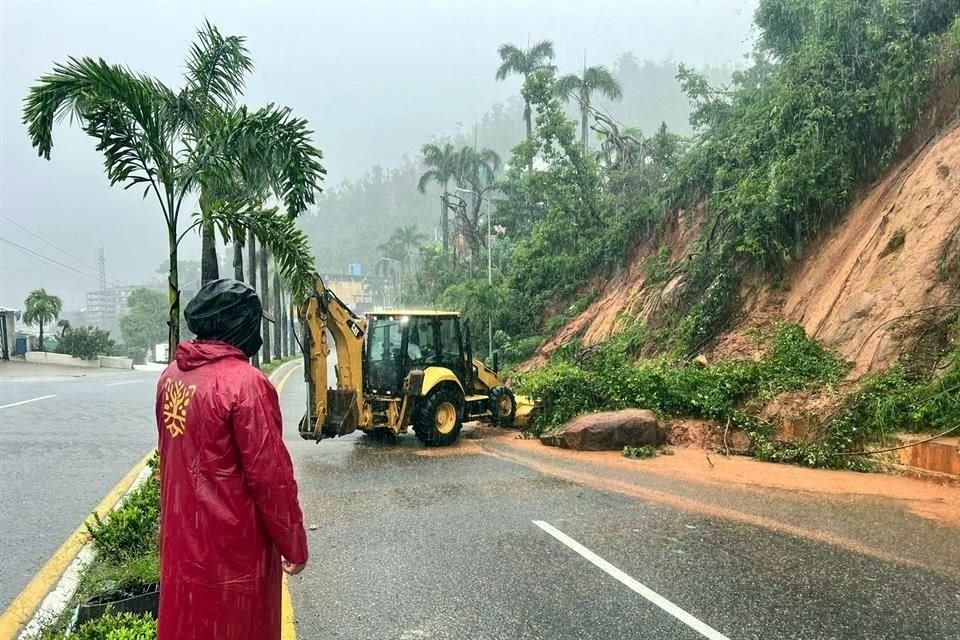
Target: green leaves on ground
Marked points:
608	379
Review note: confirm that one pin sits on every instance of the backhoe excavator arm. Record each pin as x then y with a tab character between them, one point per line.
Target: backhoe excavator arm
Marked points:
331	412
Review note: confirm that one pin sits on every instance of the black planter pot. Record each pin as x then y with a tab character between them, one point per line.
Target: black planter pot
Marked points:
142	598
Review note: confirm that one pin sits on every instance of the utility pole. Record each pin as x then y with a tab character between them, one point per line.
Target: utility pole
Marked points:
490	284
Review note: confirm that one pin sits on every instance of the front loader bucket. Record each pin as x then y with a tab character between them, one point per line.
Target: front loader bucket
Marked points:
526	407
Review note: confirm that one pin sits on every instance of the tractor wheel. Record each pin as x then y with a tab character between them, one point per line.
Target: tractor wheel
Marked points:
437	417
503	406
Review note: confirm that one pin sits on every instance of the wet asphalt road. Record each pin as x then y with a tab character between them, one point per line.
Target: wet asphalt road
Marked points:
412	546
60	456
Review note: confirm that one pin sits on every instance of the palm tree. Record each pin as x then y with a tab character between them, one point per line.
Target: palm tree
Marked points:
406	239
172	144
594	80
442	163
525	62
41	308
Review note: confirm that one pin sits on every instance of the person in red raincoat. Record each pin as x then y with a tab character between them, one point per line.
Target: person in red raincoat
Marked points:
230	522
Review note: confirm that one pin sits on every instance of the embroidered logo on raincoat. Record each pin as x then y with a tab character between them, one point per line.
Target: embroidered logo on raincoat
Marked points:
176	399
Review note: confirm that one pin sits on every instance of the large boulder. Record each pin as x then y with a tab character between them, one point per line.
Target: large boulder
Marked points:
612	431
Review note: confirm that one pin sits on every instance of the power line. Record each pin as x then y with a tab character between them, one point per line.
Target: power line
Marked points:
66	253
47	258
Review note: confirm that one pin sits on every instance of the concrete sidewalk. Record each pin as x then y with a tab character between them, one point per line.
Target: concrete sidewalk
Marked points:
18	369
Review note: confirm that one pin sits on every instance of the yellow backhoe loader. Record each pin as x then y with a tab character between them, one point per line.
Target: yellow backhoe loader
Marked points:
394	370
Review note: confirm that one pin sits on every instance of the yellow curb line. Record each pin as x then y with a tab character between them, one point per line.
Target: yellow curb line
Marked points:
46	579
288	629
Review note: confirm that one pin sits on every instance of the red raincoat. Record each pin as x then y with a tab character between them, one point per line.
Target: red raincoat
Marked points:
229	499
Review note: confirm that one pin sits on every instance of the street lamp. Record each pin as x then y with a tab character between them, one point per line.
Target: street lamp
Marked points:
486	204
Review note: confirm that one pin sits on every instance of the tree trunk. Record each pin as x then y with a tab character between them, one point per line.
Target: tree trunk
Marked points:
444	217
40	321
238	255
209	264
277	316
265	301
252	269
584	128
284	329
173	289
291	328
528	119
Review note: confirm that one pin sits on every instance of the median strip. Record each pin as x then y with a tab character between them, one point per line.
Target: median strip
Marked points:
652	596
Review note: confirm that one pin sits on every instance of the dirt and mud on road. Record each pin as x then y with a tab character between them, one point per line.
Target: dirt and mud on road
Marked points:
881	516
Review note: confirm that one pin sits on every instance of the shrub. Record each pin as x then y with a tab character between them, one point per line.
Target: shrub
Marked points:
131	530
86	343
607	380
123	626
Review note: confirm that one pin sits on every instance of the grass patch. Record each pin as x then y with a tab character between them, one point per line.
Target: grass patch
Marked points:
269	367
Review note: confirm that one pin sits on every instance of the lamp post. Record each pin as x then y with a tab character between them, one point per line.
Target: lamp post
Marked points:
486	204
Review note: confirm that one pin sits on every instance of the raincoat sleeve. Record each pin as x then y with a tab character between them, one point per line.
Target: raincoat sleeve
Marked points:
267	467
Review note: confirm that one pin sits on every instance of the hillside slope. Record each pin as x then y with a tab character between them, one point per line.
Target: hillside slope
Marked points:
881	263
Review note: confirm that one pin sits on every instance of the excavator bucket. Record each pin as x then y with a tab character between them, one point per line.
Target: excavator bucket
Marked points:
525	411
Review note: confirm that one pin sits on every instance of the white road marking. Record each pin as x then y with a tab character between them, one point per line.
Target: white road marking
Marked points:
117	384
17	404
700	627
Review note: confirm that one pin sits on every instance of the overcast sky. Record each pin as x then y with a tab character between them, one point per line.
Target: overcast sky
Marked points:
374	79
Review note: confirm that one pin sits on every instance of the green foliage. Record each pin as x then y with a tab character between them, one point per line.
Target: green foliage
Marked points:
131	530
607	379
795	358
86	343
657	267
104	576
121	626
145	323
834	89
269	367
646	451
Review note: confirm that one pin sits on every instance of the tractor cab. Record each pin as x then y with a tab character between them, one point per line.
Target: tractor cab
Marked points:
400	342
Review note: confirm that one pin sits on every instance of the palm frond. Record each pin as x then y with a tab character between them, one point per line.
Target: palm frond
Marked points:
568	86
425	179
513	61
600	79
216	67
132	116
541	54
280	235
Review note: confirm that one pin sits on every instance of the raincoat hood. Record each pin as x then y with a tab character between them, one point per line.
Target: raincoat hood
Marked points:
196	353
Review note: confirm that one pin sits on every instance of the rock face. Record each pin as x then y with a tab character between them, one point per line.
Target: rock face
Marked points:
610	431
